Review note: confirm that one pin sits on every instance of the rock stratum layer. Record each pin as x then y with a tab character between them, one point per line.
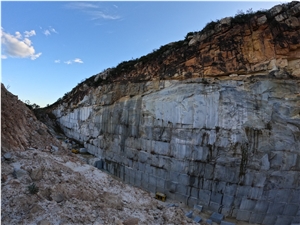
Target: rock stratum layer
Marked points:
211	120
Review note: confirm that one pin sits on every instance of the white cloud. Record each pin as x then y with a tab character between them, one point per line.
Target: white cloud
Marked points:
18	35
3	57
57	61
29	33
27	41
77	60
14	46
68	62
47	32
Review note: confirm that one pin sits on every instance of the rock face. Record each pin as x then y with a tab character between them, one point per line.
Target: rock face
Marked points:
20	129
222	131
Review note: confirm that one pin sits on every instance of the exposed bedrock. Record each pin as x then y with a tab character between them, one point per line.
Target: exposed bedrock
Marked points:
232	146
211	120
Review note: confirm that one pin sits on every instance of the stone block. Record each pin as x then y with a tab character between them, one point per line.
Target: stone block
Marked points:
183	189
255	193
143	156
198	208
282	195
242	191
276	209
230	189
294	196
214	206
216	217
227	200
200	153
261	206
161	148
181	198
178	166
151	188
226	211
189	214
284	220
269	220
291	209
171	186
194	192
152	180
160	183
218	187
206	184
174	176
209	171
204	196
256	218
197	219
247	204
226	223
194	181
192	201
216	197
227	174
209	221
243	215
296	220
184	179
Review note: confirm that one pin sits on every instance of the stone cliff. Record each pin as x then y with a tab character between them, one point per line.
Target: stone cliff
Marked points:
212	120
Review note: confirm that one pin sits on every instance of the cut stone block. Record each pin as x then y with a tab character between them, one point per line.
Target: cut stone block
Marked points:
198	208
189	214
226	223
197	219
216	217
209	221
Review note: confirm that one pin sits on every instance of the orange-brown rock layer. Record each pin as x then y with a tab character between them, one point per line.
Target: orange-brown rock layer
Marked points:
246	44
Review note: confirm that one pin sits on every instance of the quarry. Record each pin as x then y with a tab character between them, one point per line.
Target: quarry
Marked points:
211	122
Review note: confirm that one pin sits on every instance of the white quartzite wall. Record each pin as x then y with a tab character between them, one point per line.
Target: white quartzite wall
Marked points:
231	146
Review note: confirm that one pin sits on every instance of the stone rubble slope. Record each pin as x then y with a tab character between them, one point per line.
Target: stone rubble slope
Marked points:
71	192
19	127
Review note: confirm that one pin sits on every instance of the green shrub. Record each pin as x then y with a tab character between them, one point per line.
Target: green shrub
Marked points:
33	189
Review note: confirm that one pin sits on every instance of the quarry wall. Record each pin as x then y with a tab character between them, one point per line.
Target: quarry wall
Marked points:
211	120
231	145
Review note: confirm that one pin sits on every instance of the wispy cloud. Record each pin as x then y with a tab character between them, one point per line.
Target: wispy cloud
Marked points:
49	31
77	60
100	15
68	62
15	46
82	5
57	61
94	10
29	33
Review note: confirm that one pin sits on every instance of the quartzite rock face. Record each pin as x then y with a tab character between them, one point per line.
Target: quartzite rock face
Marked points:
229	143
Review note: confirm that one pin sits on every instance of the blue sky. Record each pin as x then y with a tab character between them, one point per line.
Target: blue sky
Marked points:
47	48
